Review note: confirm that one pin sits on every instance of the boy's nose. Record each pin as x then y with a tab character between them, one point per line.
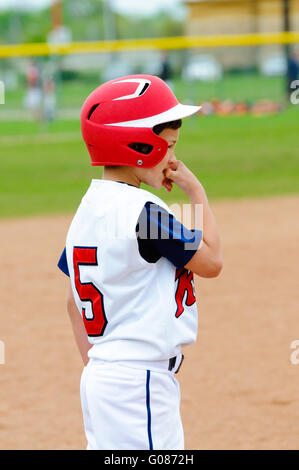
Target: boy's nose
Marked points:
172	158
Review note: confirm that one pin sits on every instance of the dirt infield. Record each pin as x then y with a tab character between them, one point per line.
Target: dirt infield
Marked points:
239	387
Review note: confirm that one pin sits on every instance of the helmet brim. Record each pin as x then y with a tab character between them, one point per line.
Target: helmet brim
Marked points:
179	111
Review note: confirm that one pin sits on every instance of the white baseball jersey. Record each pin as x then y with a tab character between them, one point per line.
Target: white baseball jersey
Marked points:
125	255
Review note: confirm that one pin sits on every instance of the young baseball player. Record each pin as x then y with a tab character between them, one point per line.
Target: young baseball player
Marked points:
131	297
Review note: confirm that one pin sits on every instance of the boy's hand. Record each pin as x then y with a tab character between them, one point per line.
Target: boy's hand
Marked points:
167	183
179	174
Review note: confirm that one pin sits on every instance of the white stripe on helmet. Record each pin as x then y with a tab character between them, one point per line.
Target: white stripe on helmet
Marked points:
142	82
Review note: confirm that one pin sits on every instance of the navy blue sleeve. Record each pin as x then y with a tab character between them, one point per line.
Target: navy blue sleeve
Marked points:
159	233
62	263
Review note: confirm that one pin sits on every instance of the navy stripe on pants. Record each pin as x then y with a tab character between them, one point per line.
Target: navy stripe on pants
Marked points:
148	407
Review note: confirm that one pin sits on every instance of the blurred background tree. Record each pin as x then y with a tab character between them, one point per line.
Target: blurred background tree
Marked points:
86	21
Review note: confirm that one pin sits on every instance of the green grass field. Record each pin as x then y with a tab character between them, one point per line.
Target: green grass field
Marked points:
244	86
46	169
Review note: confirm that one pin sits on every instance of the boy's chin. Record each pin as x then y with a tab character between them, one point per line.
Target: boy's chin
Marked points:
156	184
153	184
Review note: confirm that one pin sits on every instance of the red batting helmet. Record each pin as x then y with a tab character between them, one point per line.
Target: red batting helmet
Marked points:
124	111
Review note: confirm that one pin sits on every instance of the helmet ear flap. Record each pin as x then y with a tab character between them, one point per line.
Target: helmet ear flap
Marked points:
102	150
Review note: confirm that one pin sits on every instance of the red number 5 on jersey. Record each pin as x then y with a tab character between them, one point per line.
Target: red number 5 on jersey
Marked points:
88	292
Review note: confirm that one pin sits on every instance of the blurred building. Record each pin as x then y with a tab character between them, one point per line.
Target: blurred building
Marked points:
211	17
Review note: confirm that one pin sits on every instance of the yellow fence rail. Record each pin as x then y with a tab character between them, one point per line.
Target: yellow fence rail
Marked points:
179	42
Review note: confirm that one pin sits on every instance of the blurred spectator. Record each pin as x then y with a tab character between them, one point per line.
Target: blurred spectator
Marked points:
292	71
33	95
225	108
49	99
265	107
207	108
166	72
241	108
228	107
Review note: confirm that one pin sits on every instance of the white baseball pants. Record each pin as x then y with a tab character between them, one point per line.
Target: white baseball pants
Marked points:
127	407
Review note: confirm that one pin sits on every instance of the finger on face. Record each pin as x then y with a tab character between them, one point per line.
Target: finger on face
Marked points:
173	164
168	186
167	183
166	173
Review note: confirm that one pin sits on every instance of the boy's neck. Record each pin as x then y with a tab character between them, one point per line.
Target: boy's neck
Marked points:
123	174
